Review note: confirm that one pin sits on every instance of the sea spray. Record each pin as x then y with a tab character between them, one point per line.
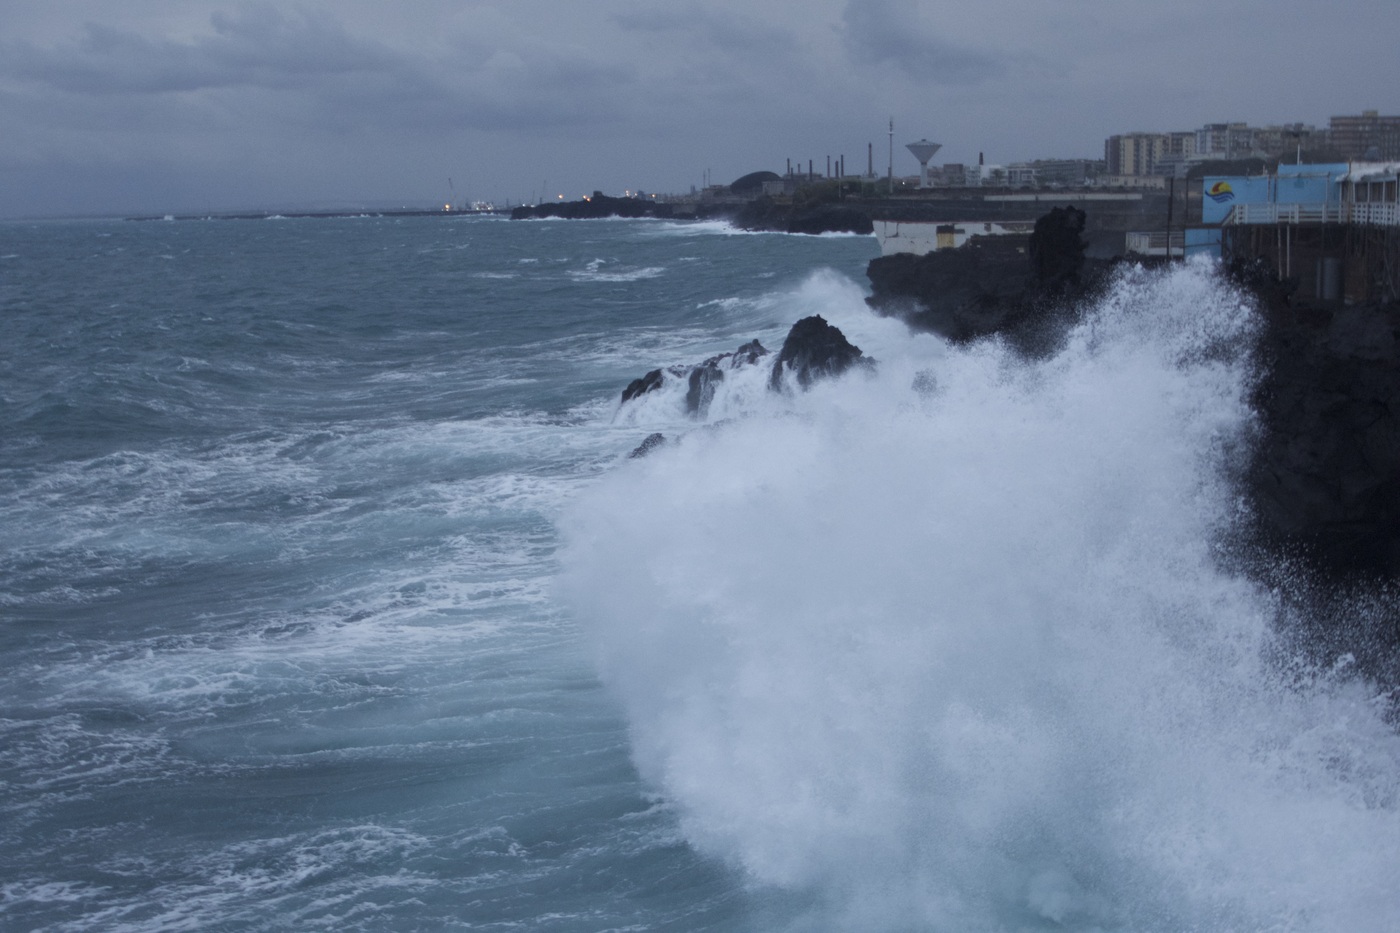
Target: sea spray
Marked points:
951	647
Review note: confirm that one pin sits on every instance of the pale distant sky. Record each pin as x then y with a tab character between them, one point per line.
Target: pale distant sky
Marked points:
169	105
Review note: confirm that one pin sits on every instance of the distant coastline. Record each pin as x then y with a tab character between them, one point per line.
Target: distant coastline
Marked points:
291	215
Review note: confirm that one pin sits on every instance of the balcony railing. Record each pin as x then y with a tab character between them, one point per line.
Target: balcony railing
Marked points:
1375	213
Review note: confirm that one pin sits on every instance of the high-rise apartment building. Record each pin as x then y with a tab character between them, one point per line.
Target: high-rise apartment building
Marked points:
1366	136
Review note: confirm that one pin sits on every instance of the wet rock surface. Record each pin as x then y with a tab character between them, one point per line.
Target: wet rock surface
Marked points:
1325	476
1028	290
814	350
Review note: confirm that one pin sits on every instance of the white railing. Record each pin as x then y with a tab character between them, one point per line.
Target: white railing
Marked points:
1375	213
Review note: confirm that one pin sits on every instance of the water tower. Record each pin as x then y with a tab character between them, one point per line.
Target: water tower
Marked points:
923	151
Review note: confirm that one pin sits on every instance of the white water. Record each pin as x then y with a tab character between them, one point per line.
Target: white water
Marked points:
950	646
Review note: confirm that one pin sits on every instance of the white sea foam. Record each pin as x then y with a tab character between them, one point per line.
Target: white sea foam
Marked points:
951	646
594	272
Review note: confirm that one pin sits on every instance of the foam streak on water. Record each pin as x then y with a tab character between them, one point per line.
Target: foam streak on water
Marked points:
951	647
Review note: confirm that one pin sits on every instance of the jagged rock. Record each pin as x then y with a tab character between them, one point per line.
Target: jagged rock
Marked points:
814	349
645	384
700	390
749	353
701	379
648	445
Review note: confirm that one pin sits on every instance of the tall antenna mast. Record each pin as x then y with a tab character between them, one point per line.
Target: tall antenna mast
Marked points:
891	175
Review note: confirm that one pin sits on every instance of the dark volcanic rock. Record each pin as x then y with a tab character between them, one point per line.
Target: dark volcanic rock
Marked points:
1057	248
642	386
962	294
701	379
1026	290
1325	480
651	442
815	349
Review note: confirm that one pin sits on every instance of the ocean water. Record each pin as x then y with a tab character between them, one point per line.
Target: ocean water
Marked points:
330	599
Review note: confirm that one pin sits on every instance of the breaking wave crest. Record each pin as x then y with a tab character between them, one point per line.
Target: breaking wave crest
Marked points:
952	647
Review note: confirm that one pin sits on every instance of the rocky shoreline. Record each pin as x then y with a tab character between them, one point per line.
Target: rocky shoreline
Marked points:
1322	482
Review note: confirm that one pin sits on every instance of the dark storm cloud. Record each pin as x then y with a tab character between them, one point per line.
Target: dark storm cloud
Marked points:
892	32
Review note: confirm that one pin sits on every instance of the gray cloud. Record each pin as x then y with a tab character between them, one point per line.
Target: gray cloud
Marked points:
892	32
719	32
257	47
162	103
319	74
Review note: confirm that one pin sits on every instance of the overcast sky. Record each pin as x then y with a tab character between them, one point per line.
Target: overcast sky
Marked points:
169	105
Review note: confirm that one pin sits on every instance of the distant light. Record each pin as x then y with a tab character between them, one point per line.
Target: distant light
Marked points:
561	197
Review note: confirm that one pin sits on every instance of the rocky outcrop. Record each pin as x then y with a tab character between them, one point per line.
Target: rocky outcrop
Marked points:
701	379
1024	289
814	350
642	385
961	295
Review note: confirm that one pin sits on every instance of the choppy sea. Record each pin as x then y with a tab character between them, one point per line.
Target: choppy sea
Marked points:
331	600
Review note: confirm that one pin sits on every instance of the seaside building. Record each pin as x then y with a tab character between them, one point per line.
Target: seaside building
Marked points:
1332	228
1366	136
